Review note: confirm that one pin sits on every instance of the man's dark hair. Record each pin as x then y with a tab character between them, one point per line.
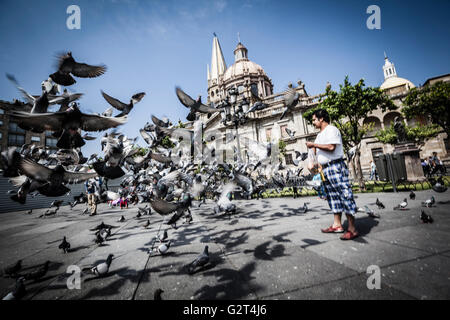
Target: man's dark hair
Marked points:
322	114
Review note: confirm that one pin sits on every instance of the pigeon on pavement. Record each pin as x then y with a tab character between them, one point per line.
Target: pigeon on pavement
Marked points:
200	261
379	204
426	218
18	292
102	268
64	246
402	205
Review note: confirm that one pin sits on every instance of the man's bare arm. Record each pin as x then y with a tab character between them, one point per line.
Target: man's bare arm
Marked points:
326	147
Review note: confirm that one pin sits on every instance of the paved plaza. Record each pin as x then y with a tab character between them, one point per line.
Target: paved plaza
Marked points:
267	250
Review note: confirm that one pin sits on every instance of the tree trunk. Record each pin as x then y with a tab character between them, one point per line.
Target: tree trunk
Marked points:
351	166
359	174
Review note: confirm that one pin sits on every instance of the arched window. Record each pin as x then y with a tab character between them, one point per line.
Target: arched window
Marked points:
376	125
389	118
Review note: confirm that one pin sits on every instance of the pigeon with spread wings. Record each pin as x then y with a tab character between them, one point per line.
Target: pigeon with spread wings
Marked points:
68	123
67	66
290	100
193	105
119	105
52	180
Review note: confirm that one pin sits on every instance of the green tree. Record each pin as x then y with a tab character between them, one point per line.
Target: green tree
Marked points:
282	150
432	101
180	124
167	143
347	109
418	134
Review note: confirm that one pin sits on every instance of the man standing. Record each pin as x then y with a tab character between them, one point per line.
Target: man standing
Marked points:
329	151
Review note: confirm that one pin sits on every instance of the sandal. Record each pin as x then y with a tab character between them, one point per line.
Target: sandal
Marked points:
332	229
349	235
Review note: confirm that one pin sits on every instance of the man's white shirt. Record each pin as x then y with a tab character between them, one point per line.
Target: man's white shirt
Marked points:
329	135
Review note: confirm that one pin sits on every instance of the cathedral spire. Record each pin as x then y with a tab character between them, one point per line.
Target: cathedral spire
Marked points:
388	68
218	65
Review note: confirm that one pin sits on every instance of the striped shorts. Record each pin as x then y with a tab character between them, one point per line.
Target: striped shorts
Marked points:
338	189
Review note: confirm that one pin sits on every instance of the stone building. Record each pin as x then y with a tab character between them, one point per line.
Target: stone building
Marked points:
254	85
397	88
13	136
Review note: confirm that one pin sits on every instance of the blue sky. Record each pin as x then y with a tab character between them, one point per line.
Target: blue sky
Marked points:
153	46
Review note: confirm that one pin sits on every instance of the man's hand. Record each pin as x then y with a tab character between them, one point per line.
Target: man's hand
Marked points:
310	144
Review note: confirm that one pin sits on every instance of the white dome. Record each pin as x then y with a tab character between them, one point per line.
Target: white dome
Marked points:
241	67
395	82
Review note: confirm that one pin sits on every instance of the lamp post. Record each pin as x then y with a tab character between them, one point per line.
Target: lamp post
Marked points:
238	117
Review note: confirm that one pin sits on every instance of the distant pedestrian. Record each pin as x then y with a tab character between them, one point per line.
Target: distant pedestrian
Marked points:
91	187
373	171
334	171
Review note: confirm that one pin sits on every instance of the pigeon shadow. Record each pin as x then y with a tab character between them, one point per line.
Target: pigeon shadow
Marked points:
280	237
231	284
77	249
310	242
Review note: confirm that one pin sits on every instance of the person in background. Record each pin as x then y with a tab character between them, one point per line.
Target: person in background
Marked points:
373	171
91	187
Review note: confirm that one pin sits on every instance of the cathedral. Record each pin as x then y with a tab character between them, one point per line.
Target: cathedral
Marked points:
254	85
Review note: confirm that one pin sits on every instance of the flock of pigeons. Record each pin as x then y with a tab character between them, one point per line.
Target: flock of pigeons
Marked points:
426	218
165	175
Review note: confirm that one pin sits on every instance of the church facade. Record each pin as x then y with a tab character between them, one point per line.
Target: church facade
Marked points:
253	84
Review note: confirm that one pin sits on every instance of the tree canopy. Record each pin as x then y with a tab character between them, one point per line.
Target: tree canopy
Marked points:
432	101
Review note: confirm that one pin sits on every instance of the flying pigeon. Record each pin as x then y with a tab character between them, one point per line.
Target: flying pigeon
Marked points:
290	133
67	124
290	100
56	203
67	65
193	105
119	105
257	107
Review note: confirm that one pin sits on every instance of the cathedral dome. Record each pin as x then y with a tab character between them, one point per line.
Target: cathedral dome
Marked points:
396	82
242	65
